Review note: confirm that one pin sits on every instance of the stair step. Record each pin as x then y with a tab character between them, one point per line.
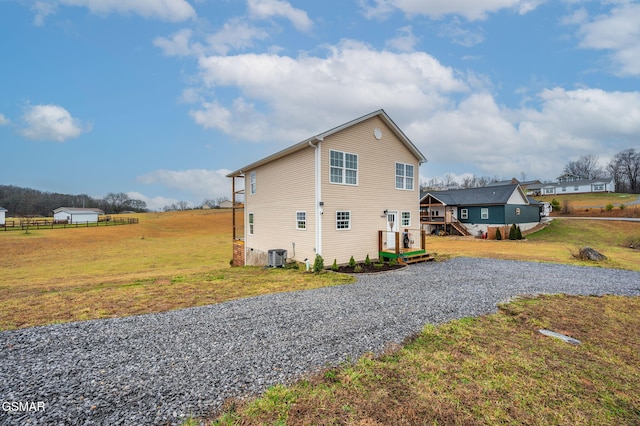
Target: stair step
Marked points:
418	258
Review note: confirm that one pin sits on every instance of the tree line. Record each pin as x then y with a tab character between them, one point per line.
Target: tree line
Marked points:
623	168
32	202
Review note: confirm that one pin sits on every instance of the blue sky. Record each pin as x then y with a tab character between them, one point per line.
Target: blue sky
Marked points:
161	98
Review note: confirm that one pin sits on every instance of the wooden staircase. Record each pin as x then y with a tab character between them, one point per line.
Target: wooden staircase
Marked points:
460	228
415	258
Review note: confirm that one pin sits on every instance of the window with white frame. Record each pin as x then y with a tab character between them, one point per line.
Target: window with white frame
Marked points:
548	191
343	219
301	220
598	187
404	176
250	223
464	214
343	168
406	218
484	213
252	182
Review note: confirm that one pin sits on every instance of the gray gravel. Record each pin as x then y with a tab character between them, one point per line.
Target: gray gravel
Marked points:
159	368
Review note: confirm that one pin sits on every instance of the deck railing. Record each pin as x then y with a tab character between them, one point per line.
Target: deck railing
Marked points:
407	240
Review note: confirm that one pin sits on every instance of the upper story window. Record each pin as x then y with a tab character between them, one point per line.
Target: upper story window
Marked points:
252	182
484	213
343	168
404	176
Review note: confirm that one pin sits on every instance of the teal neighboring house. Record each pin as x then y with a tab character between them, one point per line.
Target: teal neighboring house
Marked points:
472	211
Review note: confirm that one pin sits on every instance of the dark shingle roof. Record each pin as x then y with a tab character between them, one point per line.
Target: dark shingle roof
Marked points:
475	196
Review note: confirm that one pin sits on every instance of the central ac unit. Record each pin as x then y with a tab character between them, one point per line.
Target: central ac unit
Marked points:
277	258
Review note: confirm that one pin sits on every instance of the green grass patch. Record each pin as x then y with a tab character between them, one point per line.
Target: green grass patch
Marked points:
496	369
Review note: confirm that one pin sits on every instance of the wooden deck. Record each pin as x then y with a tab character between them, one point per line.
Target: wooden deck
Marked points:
406	247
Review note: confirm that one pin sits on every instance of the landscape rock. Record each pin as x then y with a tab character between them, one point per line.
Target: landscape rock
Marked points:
591	254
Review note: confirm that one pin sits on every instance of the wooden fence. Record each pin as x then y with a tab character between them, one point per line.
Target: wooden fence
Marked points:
25	224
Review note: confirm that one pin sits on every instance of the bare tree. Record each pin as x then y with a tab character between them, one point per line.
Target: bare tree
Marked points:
586	167
625	170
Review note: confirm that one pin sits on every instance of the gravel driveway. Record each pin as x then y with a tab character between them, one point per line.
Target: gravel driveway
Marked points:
159	368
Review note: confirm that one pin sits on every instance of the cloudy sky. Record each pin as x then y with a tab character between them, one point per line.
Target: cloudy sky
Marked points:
161	98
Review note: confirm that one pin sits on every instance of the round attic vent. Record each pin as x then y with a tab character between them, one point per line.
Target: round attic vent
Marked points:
377	133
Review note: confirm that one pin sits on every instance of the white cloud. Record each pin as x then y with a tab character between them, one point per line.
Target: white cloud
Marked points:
459	35
199	183
4	120
617	32
265	9
154	203
166	10
179	44
235	34
505	142
405	41
472	10
414	83
42	9
51	122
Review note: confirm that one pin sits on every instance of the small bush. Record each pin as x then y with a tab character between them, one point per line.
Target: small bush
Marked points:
367	261
378	265
513	232
622	206
352	262
498	234
555	205
393	262
609	207
318	264
358	268
334	267
518	233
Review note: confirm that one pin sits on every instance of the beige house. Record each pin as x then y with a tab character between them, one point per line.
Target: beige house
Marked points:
350	191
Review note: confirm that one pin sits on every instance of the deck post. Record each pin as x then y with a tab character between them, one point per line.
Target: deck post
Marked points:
397	242
379	241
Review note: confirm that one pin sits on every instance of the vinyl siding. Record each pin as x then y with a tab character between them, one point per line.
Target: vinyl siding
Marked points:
283	187
374	192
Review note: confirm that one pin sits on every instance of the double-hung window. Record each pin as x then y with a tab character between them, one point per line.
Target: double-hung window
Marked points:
250	223
406	219
301	220
343	168
252	182
484	214
464	214
404	176
343	219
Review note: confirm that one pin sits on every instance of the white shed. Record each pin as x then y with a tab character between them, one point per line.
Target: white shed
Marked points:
2	213
76	215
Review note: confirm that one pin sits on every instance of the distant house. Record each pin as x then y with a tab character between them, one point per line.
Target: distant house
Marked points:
76	215
573	184
473	211
350	191
2	213
226	204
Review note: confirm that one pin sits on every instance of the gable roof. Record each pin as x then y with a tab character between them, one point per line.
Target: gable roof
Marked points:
486	195
78	210
319	137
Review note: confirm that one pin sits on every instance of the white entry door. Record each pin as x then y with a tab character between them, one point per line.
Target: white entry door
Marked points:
392	228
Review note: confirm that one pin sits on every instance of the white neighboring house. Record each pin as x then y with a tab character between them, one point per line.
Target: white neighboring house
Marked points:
573	184
76	215
2	213
226	204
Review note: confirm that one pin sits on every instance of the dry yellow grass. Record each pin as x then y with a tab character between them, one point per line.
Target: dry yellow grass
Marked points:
552	245
167	261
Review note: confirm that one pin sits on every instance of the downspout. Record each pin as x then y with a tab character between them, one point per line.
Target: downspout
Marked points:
318	191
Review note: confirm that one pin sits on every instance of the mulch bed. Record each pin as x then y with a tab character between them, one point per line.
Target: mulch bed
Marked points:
367	269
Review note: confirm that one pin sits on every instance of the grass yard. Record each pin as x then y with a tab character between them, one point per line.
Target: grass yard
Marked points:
555	244
488	370
495	369
167	261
